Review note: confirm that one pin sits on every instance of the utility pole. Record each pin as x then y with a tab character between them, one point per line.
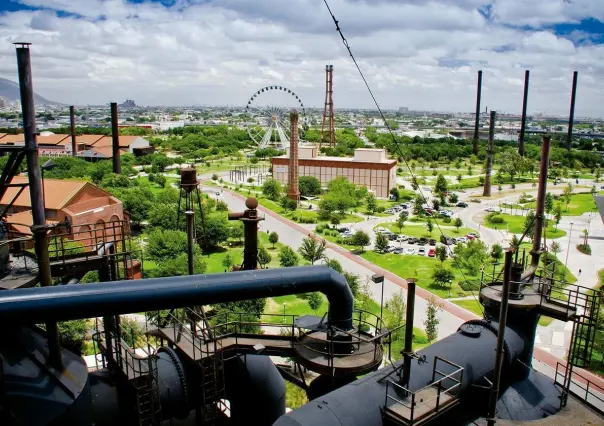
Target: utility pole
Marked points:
115	134
74	146
477	121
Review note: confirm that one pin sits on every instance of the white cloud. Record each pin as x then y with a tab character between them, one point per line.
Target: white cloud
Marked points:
420	54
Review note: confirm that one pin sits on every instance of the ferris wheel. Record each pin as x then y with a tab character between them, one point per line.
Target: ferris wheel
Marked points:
269	109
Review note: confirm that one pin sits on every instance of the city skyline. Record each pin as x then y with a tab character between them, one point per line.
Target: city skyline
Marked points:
420	55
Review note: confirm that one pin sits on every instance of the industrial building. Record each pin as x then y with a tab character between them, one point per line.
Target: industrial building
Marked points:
368	167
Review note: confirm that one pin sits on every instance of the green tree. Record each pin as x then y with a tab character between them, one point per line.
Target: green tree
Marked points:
441	253
72	334
288	204
372	204
179	265
163	216
236	231
555	248
557	214
312	250
137	202
395	194
309	186
334	264
458	223
496	252
353	283
288	257
394	314
529	224
471	256
417	205
549	202
212	231
272	189
567	195
430	226
264	257
400	221
314	301
227	262
381	243
165	244
442	277
221	206
273	238
453	198
361	239
441	188
432	321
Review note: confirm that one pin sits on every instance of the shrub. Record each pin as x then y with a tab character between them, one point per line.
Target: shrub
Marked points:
494	218
381	209
446	220
584	248
470	285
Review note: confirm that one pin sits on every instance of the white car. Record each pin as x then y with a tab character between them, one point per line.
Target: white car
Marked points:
462	240
421	251
380	229
410	250
402	238
492	209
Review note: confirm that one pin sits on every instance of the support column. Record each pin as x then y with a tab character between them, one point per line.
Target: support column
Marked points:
115	134
523	120
540	207
477	120
571	118
408	349
190	241
74	146
490	152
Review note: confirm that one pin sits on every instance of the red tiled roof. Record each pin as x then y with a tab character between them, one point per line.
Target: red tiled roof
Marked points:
125	141
58	192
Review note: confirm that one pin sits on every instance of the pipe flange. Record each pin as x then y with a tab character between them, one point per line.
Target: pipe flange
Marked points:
488	326
179	368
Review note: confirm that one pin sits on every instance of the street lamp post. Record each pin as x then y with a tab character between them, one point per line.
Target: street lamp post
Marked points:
379	279
570	234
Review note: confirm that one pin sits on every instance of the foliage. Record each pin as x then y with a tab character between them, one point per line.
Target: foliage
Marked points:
442	277
288	204
394	192
264	257
441	253
288	257
221	206
179	265
529	224
165	244
72	334
496	252
334	264
163	216
453	198
361	239
227	262
549	202
381	243
273	238
458	223
584	248
394	314
309	186
312	250
272	189
472	256
353	283
440	188
372	204
430	226
432	321
213	230
314	301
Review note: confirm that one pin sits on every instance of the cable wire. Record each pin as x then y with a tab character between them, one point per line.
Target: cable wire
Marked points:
396	144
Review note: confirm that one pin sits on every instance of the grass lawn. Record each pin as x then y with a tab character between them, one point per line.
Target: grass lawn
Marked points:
470	305
214	260
422	231
419	267
515	225
579	204
155	188
435	220
223	166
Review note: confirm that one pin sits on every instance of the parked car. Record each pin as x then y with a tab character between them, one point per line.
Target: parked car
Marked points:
432	252
462	204
410	250
392	237
432	242
474	234
404	206
445	213
492	209
388	249
412	240
379	229
423	241
402	238
470	237
446	240
421	251
428	210
398	250
389	211
462	240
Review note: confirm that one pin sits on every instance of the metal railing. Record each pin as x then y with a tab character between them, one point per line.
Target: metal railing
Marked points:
452	390
584	389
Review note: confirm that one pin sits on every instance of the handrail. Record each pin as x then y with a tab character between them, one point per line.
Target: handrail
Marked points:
578	384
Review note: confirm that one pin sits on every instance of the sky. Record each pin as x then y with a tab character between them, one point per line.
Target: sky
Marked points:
420	54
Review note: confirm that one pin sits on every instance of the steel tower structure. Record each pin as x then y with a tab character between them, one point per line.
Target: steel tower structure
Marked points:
328	131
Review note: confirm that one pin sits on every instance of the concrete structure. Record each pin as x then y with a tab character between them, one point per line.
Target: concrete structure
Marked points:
81	202
368	167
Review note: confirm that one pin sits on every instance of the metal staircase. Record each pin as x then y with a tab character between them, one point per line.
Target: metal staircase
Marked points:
212	386
147	395
17	153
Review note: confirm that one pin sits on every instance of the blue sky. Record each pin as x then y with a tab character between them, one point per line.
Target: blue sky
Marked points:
419	54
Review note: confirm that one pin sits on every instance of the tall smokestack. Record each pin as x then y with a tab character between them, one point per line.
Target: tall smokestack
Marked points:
571	118
477	122
115	133
490	150
293	190
523	122
36	189
74	146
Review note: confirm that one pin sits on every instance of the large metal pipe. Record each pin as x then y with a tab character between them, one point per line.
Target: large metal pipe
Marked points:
74	146
571	118
477	121
36	189
500	351
115	135
408	350
523	120
190	241
62	303
490	152
540	207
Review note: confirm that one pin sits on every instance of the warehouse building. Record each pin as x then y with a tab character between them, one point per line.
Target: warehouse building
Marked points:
368	167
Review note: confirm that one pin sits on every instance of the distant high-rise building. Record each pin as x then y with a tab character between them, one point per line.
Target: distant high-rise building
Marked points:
403	109
128	104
